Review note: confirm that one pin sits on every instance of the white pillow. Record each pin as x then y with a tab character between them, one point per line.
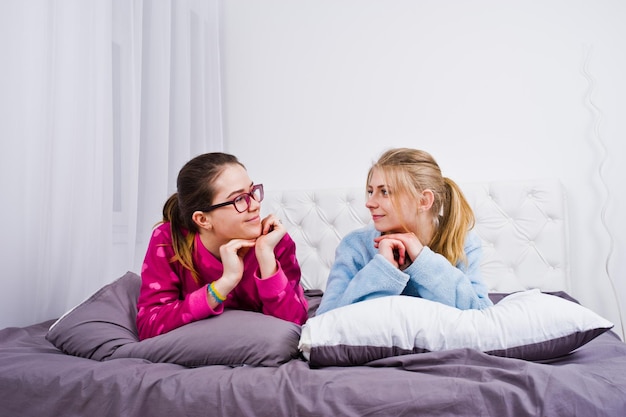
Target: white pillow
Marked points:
527	325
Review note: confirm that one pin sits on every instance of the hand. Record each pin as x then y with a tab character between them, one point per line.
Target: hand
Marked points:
272	231
392	250
232	260
411	246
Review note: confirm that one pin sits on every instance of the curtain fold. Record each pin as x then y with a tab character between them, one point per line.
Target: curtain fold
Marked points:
103	101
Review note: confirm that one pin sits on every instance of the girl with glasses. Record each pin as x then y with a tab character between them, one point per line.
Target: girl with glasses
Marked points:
212	251
420	242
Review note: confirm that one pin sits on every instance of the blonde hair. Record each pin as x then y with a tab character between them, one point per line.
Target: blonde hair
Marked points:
409	172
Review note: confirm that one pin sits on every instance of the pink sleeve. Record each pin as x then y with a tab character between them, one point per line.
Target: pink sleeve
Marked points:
161	305
281	294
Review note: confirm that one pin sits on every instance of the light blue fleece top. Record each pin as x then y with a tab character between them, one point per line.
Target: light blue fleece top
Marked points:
361	273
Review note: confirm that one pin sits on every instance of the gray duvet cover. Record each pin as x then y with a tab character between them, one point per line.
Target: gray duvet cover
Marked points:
37	379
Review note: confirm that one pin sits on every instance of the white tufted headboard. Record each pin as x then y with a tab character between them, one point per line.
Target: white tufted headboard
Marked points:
523	225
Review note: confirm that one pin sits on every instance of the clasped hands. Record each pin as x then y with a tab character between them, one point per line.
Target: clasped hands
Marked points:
400	249
232	253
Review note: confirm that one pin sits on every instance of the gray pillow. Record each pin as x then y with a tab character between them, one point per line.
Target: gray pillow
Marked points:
95	328
103	327
235	337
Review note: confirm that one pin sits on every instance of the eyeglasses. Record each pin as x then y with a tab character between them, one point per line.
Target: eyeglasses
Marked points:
242	201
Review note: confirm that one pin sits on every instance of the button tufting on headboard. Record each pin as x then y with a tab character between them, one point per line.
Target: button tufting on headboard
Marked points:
523	225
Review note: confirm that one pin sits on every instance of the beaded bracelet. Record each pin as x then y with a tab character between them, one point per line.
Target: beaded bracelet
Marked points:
215	294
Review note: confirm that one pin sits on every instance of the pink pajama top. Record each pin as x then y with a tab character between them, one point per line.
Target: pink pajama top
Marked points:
170	297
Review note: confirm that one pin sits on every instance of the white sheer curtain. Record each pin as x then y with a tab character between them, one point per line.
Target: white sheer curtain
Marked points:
102	102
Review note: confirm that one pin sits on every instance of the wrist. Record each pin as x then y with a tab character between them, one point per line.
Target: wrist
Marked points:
215	293
263	252
268	267
222	287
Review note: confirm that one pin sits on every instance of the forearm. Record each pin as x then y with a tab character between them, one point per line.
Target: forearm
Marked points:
434	278
282	297
378	278
158	315
267	263
347	285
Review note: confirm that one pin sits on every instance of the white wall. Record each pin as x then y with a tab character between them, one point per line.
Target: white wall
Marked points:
314	91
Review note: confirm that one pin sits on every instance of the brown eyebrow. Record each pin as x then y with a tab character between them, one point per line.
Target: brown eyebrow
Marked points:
238	192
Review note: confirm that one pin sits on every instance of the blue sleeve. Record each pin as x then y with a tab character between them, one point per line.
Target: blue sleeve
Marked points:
359	273
433	277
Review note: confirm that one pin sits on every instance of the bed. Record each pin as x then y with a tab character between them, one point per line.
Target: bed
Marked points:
537	352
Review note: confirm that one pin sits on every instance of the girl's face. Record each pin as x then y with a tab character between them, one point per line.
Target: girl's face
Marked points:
227	222
385	216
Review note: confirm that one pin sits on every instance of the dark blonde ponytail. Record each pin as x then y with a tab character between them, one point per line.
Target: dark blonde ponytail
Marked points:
183	245
454	223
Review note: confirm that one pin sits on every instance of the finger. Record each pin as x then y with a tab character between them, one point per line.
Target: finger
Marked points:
401	254
267	224
276	224
383	238
395	236
236	244
248	244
